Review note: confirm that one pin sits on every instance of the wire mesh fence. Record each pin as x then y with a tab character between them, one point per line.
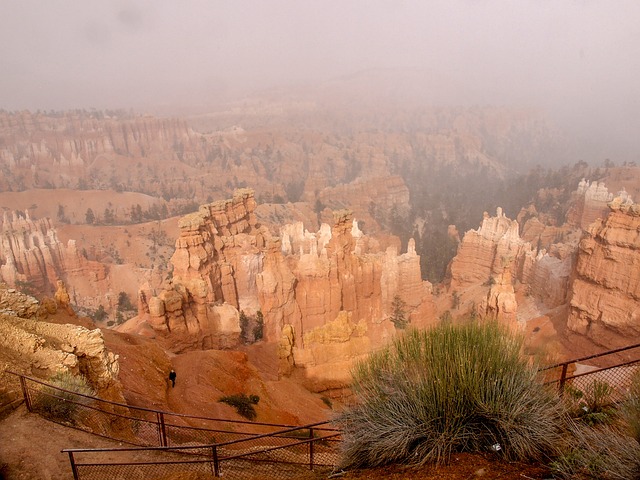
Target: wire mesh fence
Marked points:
607	374
181	446
133	425
277	456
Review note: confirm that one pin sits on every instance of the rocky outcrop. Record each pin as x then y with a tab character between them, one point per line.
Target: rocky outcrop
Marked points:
74	139
500	303
39	348
218	254
591	203
484	253
302	282
495	252
605	295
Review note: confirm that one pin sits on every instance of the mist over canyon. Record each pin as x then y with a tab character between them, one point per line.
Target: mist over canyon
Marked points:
260	196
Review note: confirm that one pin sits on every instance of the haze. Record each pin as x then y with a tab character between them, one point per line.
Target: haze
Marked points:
577	59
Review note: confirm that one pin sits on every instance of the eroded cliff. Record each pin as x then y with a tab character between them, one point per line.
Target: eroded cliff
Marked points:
33	345
325	297
605	295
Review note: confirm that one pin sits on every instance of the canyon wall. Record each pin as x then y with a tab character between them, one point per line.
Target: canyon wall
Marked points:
74	139
591	201
595	270
605	295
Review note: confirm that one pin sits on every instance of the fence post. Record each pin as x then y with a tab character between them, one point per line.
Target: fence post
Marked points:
563	378
162	432
74	469
25	393
216	465
311	448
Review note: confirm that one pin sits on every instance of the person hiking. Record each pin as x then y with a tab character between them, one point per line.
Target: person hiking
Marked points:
172	377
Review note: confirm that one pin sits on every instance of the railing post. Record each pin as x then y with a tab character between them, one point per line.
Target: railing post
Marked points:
563	378
74	469
216	464
311	448
25	393
162	431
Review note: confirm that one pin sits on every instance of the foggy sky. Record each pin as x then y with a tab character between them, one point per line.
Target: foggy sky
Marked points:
580	59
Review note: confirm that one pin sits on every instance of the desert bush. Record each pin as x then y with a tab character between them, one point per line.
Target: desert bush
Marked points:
62	405
602	452
258	329
445	390
593	405
243	404
398	313
327	401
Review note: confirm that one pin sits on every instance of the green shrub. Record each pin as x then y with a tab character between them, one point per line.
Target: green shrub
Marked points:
251	327
327	401
242	404
398	313
244	327
58	405
258	330
593	405
445	390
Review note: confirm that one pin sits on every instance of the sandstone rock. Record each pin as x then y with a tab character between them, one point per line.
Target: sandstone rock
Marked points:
302	282
483	253
32	255
605	295
285	350
17	304
40	348
500	303
590	204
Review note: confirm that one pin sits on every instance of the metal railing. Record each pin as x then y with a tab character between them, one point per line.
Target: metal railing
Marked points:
279	455
137	425
614	368
170	442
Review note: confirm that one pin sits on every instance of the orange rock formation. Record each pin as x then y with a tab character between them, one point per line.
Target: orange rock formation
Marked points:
605	295
325	296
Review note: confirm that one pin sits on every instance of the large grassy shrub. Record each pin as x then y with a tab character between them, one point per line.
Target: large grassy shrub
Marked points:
603	441
62	405
449	389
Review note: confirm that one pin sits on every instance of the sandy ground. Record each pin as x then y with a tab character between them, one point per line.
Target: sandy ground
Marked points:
30	447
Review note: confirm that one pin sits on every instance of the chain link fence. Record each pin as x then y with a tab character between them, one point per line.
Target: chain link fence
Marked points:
283	455
175	446
608	375
133	425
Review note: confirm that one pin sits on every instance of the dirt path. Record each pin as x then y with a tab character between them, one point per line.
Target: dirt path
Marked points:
30	447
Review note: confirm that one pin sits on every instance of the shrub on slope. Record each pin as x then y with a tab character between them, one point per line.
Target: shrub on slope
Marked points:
449	389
